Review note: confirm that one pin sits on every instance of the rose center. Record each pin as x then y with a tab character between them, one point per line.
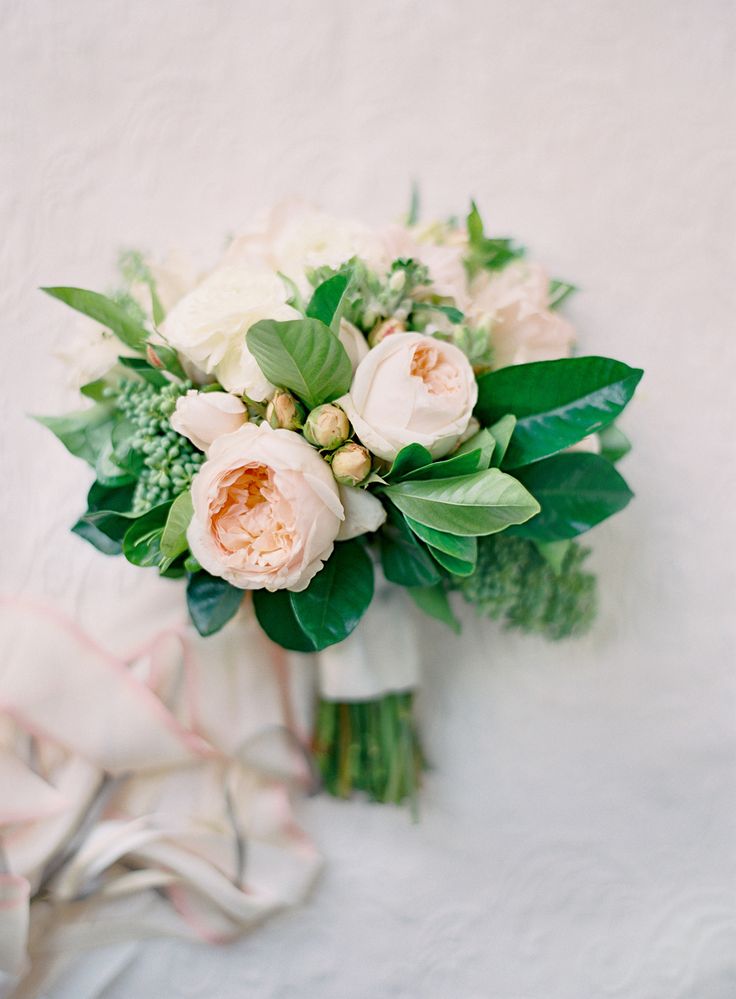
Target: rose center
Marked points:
437	374
249	515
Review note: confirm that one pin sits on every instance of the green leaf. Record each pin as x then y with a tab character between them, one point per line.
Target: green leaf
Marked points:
464	549
483	440
576	492
502	431
212	602
142	541
408	459
412	216
478	504
615	445
168	358
174	537
145	370
433	601
84	432
559	291
554	553
338	596
113	501
404	560
455	566
104	311
107	469
327	300
95	390
276	616
459	464
450	311
302	355
556	403
485	253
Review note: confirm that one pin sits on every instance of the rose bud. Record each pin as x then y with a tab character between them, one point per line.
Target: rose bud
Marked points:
384	329
327	426
284	412
205	416
351	463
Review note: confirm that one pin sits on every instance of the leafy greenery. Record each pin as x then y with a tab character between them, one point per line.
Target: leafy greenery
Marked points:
405	560
433	600
514	583
142	540
556	403
576	491
104	311
174	535
302	355
84	433
326	302
615	445
328	610
211	602
559	292
485	253
482	503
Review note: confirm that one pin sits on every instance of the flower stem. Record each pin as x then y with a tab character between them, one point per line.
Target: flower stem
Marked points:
369	746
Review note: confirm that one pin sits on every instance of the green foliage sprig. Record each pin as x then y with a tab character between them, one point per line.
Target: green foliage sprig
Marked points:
514	583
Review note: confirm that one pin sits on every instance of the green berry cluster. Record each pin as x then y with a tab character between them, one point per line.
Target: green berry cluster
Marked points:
513	582
169	461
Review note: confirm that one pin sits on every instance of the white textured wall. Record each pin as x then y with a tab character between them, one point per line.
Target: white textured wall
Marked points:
578	835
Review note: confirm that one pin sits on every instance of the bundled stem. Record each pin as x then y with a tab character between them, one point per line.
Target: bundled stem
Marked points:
369	746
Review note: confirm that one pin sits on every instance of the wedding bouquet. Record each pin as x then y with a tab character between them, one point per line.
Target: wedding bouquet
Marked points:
334	403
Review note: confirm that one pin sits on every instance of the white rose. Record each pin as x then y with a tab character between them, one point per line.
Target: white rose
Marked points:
209	325
205	416
410	389
90	354
294	237
266	510
364	512
513	304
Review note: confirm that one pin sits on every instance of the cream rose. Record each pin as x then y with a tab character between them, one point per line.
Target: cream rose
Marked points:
266	510
513	304
441	251
411	389
209	325
205	416
295	237
355	344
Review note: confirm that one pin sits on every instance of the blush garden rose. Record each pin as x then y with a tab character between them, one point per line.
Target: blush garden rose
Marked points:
267	510
411	389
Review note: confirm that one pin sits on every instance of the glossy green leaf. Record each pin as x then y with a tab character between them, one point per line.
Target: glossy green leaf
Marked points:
142	541
338	596
433	600
404	560
174	537
559	291
615	445
302	355
145	370
326	302
277	618
462	548
576	491
483	440
502	431
556	403
212	602
107	517
408	459
458	464
456	566
84	432
478	504
104	311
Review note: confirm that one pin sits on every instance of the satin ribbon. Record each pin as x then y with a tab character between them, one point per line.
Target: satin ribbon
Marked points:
166	772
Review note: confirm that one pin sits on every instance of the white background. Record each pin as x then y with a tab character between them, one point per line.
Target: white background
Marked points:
578	832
